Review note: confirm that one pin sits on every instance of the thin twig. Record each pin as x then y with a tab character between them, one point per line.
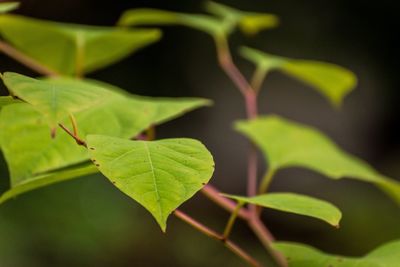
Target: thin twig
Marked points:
211	233
77	139
26	60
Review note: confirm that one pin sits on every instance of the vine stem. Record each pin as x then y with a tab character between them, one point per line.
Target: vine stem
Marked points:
26	60
211	233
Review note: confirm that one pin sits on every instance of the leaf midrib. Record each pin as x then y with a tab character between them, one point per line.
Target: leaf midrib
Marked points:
154	178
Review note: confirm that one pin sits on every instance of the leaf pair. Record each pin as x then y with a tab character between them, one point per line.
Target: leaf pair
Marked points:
72	49
299	255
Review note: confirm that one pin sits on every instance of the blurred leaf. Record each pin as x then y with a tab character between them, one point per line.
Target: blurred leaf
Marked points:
332	81
160	175
300	255
8	100
48	179
30	151
249	22
226	21
295	203
8	6
73	49
56	98
289	144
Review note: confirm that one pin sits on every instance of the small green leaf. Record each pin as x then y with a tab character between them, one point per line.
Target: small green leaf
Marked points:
55	98
249	22
332	81
300	255
289	144
160	175
30	151
295	203
73	49
7	100
8	6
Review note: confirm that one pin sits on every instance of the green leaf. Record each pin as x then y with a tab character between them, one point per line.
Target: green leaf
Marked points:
249	22
30	151
225	21
8	100
160	175
73	49
300	255
295	203
48	179
332	81
289	144
8	6
55	98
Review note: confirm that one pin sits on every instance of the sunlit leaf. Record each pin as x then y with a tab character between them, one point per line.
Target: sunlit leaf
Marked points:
300	255
295	203
248	22
56	98
332	81
30	151
8	6
73	49
289	144
160	175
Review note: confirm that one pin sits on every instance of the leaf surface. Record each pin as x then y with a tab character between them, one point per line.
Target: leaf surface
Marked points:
8	6
289	144
295	203
160	175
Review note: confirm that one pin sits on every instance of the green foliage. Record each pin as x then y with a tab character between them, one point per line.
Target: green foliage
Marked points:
160	175
73	49
299	255
8	6
224	21
332	81
7	100
295	203
289	144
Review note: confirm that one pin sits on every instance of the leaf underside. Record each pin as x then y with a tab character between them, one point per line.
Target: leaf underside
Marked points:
160	175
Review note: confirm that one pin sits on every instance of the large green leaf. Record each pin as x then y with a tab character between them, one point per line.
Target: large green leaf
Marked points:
8	6
7	100
295	203
30	151
332	81
56	98
289	144
299	255
160	175
226	19
73	49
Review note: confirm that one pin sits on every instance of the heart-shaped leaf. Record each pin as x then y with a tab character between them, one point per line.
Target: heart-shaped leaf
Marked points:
73	49
30	151
332	81
160	175
300	255
8	6
295	203
56	98
289	144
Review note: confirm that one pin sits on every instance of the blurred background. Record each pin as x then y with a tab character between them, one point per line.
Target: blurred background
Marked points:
88	222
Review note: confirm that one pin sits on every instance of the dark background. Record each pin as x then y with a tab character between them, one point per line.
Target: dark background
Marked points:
87	222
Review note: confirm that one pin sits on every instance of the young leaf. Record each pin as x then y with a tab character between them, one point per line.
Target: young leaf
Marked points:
249	22
55	98
295	203
8	6
73	49
332	81
160	175
289	144
300	255
30	151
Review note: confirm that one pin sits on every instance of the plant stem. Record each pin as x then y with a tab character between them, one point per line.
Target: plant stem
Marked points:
26	60
78	140
211	233
266	181
231	221
214	195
